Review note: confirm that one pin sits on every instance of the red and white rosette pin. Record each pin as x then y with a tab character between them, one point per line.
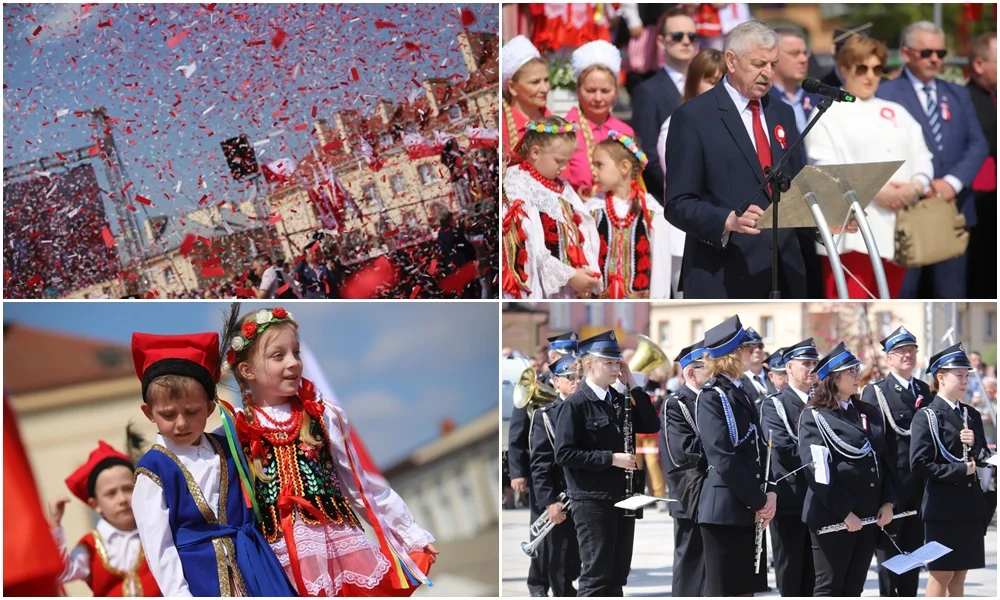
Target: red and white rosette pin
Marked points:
779	134
888	114
945	113
864	422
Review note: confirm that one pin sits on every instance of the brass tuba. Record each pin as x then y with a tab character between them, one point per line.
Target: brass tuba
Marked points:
532	393
647	357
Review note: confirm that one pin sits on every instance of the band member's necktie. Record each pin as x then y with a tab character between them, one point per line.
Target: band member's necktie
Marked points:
852	413
913	389
760	136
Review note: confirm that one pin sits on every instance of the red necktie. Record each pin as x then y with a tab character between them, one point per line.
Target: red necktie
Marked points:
760	137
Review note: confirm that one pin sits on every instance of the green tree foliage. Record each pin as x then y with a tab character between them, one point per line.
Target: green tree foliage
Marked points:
888	20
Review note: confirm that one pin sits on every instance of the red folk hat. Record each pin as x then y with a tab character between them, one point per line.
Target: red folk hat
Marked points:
194	355
82	481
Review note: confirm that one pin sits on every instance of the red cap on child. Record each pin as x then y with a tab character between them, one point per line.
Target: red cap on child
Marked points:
193	355
81	482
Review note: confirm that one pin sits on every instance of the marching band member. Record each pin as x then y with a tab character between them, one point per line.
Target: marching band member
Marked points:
777	378
732	496
946	443
899	396
519	464
684	467
562	550
590	445
561	345
850	476
779	416
753	378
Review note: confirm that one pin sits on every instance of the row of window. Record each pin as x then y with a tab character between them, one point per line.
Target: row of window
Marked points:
387	140
428	175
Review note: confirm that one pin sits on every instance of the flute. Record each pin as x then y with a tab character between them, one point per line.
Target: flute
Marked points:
759	530
868	521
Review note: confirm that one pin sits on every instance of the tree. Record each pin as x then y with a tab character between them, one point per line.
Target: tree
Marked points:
888	20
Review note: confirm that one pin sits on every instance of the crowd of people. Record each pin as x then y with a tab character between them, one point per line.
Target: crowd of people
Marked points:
837	463
713	108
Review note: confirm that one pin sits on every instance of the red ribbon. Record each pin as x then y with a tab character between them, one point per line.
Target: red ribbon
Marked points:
286	505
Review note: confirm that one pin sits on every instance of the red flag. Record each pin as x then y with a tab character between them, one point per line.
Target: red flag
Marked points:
457	281
371	280
31	561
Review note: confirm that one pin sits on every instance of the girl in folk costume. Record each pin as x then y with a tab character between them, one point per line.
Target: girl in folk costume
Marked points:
596	66
308	485
634	253
948	447
550	241
525	90
109	558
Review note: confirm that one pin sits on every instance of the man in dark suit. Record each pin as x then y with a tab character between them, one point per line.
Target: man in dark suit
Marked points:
982	86
898	396
952	132
656	98
754	378
717	148
779	417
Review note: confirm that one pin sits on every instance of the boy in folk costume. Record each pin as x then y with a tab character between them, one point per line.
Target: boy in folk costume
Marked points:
550	241
109	558
634	253
193	518
307	480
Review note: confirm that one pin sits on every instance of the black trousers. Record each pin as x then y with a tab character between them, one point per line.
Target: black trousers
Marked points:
538	577
563	558
688	578
605	536
842	559
909	535
793	561
981	276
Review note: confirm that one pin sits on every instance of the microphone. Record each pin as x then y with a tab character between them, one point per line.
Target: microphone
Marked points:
813	86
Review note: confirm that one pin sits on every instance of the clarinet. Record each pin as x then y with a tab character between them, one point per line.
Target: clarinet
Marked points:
629	448
759	525
965	425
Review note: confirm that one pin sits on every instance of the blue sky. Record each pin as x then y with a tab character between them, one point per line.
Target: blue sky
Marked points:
125	57
398	368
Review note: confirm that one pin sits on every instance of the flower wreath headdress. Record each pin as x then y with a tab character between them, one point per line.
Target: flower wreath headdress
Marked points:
252	329
543	128
630	145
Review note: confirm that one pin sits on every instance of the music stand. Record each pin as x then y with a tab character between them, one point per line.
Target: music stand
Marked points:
820	195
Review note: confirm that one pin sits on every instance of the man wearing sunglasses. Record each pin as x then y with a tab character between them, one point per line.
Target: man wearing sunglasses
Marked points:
656	98
952	133
754	378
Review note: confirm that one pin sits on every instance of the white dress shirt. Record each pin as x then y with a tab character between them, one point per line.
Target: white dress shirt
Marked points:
153	519
600	392
918	87
757	383
803	396
742	104
677	77
122	549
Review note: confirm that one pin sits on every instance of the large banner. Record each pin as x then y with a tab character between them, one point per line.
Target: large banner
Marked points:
56	234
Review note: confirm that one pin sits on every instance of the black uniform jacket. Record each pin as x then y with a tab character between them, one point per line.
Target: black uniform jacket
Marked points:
950	494
518	459
732	491
902	407
785	449
589	432
860	485
546	476
681	454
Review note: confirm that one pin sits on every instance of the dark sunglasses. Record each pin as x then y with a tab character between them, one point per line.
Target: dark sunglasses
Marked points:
678	36
572	376
926	53
860	70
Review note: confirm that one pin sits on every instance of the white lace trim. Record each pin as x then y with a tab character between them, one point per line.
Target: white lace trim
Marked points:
332	557
555	275
518	184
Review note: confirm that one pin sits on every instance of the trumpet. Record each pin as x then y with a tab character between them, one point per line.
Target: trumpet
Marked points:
541	528
759	529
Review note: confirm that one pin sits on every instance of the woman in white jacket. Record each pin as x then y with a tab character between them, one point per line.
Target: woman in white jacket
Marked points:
870	130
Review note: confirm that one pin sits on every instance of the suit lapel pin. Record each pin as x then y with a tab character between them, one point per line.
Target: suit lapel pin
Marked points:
899	388
864	421
920	400
945	113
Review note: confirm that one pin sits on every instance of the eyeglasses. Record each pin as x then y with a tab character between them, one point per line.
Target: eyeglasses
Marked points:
854	371
907	350
926	53
753	346
861	70
798	53
678	36
572	377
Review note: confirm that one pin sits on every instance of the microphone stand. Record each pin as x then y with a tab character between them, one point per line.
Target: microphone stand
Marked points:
781	183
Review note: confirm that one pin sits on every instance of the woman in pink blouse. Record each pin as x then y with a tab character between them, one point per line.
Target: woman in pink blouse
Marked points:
596	66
